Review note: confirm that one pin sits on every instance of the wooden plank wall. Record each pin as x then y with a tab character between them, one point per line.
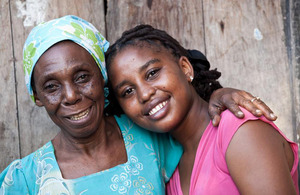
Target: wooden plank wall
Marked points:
255	44
9	137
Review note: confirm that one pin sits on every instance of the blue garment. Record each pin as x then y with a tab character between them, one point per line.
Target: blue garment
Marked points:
152	158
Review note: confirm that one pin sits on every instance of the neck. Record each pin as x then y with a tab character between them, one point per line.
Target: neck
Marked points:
96	141
191	129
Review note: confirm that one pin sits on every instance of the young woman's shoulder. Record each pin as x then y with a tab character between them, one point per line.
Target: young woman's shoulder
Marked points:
257	153
230	124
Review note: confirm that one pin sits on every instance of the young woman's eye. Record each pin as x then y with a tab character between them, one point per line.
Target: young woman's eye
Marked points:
152	74
127	92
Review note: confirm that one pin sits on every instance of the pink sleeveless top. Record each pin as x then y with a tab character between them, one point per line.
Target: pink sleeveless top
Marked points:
210	174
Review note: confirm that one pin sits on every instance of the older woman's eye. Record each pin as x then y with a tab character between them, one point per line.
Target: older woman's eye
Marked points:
50	87
82	78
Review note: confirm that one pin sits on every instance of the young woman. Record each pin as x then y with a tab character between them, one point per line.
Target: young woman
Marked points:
156	85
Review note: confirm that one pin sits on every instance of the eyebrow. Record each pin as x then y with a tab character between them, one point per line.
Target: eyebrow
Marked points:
50	75
145	66
142	68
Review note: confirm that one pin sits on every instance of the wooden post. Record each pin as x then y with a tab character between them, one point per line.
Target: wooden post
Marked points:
9	138
245	41
180	18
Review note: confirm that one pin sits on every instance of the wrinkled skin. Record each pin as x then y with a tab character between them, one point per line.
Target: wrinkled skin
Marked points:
69	84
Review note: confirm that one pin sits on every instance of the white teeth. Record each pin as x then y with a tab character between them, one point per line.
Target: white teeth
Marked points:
80	115
157	108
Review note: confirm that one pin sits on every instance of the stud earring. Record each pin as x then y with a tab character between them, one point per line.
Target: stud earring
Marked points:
191	78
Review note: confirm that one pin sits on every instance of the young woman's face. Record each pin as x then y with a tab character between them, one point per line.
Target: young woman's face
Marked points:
68	83
152	86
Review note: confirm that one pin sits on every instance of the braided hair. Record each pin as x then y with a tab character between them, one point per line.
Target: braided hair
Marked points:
205	80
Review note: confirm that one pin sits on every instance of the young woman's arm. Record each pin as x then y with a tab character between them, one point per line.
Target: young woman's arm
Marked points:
260	160
231	99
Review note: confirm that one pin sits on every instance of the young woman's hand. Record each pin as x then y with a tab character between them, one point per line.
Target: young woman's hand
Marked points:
231	99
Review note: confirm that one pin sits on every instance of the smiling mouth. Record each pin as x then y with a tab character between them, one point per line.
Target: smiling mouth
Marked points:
157	108
80	115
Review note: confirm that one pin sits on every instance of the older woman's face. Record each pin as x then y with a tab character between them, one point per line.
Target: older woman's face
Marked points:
68	83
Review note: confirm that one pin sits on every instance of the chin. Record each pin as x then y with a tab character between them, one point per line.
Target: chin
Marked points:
158	129
82	133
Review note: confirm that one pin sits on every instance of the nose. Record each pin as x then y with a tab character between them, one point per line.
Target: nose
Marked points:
71	95
145	93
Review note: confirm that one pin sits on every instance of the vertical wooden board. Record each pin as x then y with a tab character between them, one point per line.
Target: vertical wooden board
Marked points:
180	18
295	46
35	126
9	138
245	41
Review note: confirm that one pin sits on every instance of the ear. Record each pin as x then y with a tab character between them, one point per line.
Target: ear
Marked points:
187	68
37	100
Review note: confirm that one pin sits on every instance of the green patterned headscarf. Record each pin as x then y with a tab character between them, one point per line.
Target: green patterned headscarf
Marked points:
72	28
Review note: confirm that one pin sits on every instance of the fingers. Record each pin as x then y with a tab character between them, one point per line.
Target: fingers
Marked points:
235	109
214	112
265	110
243	99
231	99
214	107
255	105
226	102
216	120
221	100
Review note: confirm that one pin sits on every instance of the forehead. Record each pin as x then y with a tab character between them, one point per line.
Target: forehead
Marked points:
133	60
64	56
145	49
151	45
69	47
134	56
64	52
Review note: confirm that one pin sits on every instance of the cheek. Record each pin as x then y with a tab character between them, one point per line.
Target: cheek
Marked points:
50	103
89	89
53	100
49	98
93	90
129	107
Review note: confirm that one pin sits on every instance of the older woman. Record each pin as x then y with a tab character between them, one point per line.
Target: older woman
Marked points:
93	153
